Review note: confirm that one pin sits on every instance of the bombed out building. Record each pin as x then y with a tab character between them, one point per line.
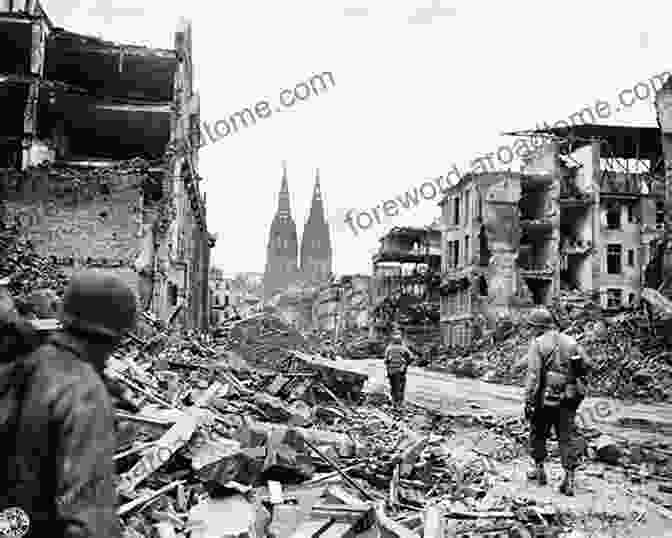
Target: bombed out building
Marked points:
99	158
585	214
405	282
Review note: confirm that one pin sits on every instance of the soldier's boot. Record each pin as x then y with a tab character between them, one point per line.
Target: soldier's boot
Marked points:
538	474
567	486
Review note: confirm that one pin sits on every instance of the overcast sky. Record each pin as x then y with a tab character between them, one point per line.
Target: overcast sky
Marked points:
413	93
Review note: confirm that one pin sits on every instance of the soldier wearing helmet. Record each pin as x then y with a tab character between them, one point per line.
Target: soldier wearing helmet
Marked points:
556	366
397	359
58	455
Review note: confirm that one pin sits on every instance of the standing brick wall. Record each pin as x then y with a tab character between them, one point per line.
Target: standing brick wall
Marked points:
91	228
97	226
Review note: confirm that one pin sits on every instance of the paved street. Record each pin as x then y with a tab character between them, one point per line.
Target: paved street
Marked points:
444	391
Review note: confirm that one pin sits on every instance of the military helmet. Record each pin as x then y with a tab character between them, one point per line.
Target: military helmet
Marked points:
99	303
541	317
397	337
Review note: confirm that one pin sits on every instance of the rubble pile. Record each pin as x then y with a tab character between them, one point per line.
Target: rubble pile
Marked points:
264	340
199	432
628	351
27	272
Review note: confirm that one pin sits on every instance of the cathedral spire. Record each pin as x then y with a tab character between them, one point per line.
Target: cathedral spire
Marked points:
317	206
316	254
284	209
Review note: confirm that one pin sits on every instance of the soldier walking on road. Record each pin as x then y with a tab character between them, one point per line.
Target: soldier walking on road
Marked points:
56	458
397	359
556	369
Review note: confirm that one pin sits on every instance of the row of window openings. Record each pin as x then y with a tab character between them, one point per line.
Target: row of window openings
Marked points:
615	298
457	204
614	215
614	256
218	301
456	302
453	252
615	259
281	243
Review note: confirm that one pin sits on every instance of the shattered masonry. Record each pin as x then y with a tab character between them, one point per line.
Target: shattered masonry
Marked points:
98	159
585	215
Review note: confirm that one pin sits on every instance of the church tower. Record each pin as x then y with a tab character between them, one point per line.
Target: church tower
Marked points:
281	252
316	241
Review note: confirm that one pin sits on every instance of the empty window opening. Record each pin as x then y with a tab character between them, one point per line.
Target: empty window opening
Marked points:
631	257
484	251
614	263
467	201
571	275
172	294
614	298
660	212
482	286
456	211
614	216
539	290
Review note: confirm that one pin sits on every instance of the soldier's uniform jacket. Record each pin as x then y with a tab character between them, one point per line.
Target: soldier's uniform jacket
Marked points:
58	465
556	349
397	357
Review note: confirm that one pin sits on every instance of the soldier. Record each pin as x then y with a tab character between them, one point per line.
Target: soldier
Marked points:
397	359
56	458
554	389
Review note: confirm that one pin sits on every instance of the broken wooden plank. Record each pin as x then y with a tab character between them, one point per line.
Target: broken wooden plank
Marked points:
143	499
434	522
311	528
388	528
394	486
339	530
160	453
344	496
465	514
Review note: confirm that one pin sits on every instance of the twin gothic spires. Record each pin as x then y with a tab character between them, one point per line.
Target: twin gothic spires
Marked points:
282	267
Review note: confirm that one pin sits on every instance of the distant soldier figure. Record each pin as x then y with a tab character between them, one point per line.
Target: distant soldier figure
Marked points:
397	359
556	368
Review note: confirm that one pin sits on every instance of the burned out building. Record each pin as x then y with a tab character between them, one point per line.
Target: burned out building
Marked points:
405	280
343	304
99	159
585	214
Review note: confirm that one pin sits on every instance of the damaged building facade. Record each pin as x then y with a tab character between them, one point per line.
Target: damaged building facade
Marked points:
585	214
343	304
98	159
406	278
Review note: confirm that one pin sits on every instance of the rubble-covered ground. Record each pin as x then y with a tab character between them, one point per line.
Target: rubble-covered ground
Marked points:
253	434
631	356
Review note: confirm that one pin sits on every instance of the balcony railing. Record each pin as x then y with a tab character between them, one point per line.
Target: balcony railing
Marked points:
537	270
543	225
577	247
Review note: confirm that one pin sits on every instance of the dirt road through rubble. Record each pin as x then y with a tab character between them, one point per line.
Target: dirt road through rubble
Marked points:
443	391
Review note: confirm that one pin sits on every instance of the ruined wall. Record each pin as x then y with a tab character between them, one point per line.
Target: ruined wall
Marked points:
501	219
629	238
98	223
